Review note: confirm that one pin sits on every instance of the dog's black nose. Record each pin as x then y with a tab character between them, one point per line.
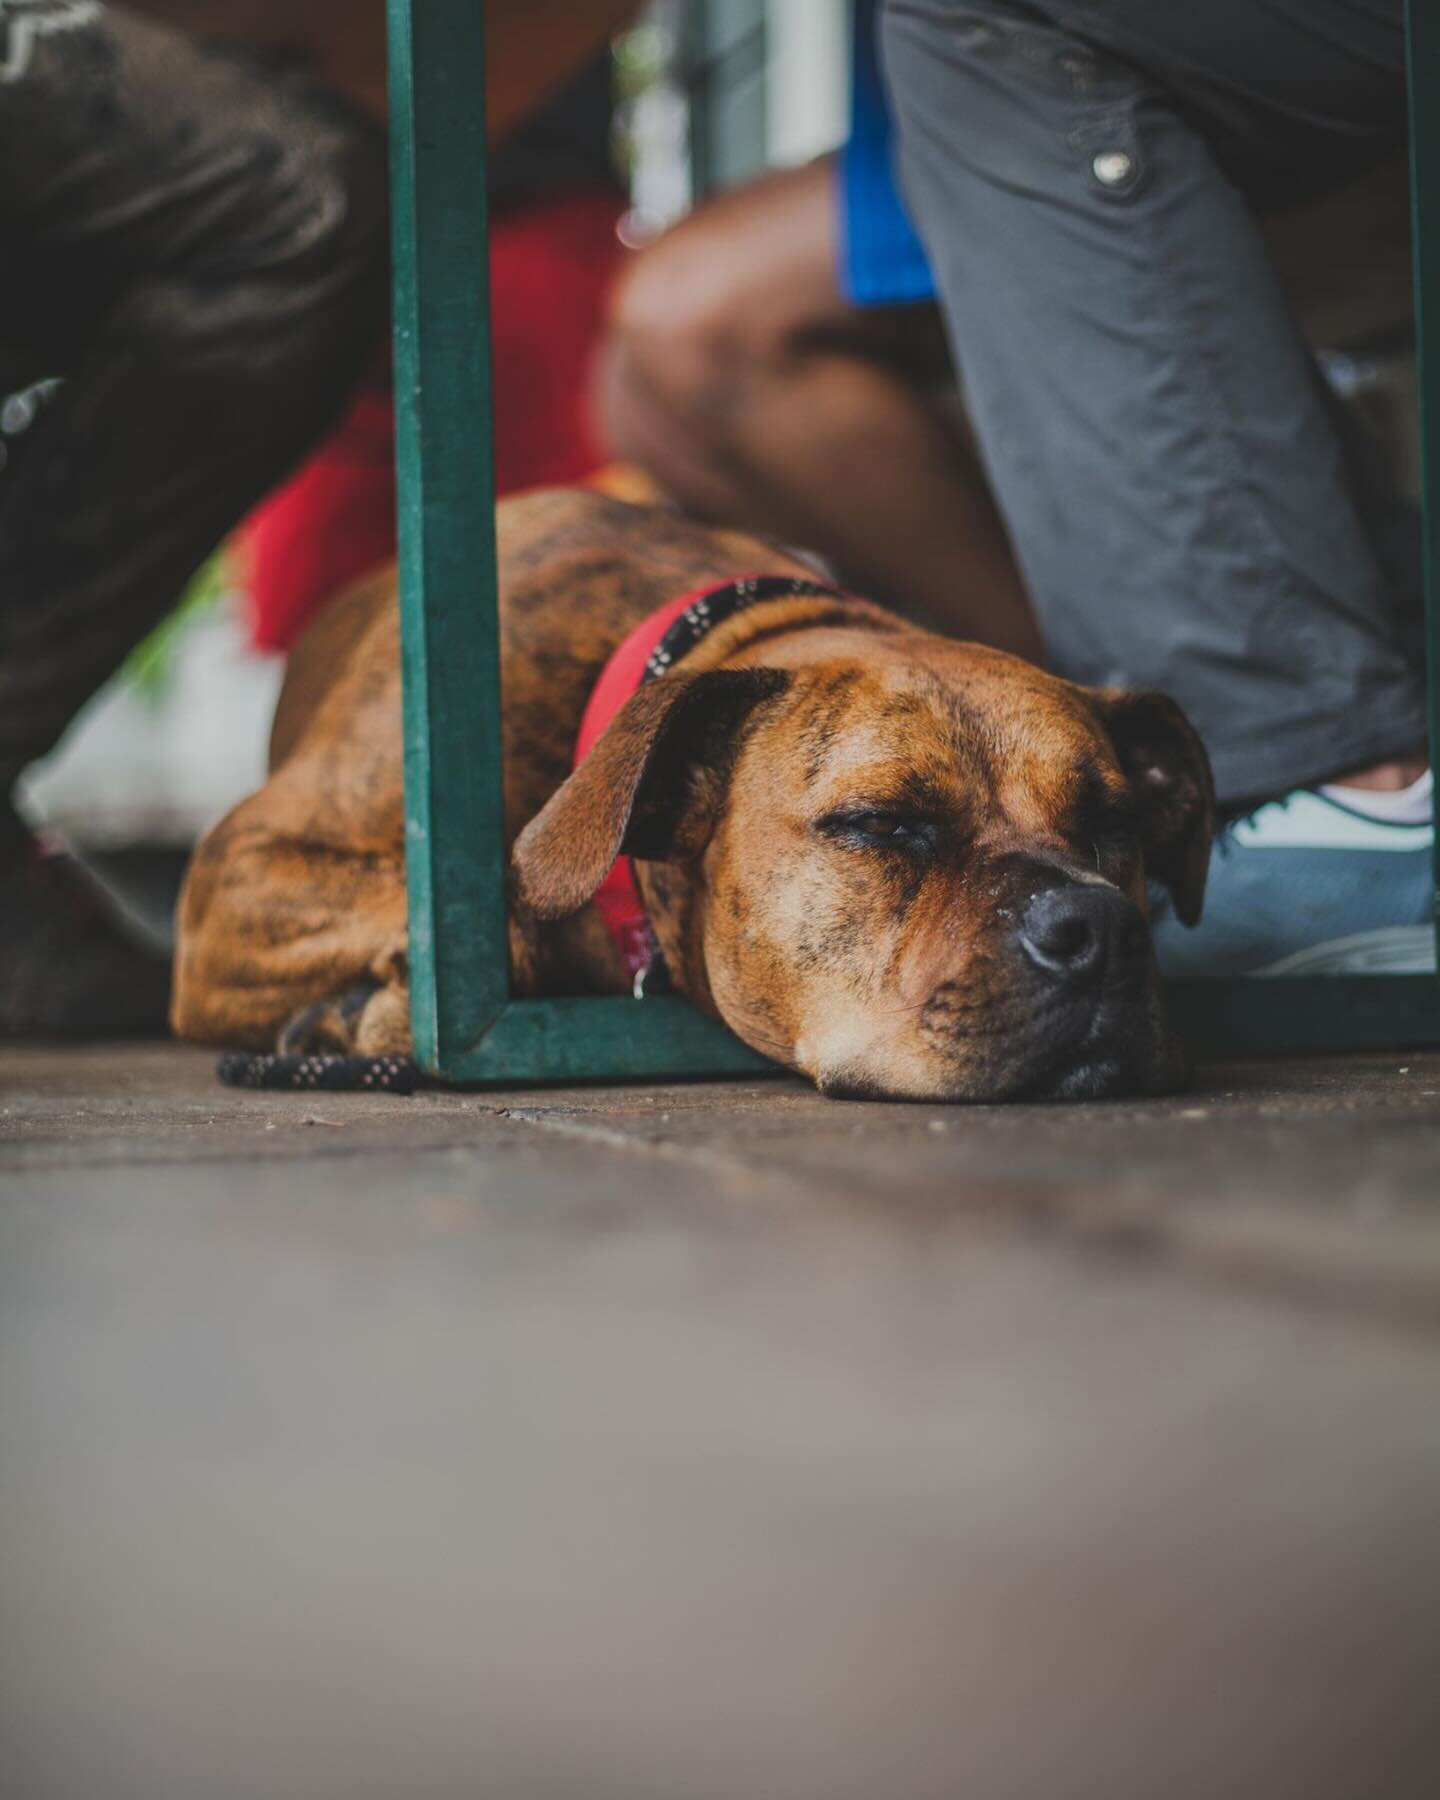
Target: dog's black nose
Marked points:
1080	932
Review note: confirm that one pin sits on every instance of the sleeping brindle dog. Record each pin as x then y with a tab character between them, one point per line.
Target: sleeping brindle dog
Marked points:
904	866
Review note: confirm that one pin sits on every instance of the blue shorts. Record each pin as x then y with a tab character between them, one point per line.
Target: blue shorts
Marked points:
882	262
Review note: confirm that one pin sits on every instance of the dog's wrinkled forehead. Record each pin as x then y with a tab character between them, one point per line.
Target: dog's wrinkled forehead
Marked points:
972	729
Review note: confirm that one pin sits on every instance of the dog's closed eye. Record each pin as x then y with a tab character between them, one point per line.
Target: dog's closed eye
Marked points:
878	829
1116	827
1103	817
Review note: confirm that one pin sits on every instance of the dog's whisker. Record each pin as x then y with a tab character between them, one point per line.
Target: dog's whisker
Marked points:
900	1012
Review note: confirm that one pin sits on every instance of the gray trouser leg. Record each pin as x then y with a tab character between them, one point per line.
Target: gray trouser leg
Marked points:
1150	417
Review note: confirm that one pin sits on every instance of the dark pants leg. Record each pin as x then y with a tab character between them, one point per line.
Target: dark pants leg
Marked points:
197	245
1085	175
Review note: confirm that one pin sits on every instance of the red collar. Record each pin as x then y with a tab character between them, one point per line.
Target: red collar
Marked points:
654	646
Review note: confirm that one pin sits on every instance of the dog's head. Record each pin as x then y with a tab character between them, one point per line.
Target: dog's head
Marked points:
904	866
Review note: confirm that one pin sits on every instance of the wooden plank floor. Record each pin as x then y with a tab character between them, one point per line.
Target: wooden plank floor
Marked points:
717	1441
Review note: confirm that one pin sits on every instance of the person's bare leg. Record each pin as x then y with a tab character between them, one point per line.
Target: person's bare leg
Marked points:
1386	777
739	378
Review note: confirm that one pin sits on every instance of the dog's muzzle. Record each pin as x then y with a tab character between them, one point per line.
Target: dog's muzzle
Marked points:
1084	938
1084	952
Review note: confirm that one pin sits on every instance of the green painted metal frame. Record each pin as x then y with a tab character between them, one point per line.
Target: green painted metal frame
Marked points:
468	1027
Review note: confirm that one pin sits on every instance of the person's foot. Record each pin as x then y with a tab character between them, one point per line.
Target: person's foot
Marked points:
1310	885
68	965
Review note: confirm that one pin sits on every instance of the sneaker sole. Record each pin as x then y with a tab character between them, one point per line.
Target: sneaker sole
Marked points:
1393	950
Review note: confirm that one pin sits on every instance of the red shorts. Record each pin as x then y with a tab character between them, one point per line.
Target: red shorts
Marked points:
550	271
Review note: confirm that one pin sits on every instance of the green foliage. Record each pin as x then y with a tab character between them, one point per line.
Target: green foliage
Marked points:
150	666
641	56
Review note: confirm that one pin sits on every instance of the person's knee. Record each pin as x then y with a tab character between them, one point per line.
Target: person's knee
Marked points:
354	172
709	316
278	313
293	219
321	204
719	314
679	338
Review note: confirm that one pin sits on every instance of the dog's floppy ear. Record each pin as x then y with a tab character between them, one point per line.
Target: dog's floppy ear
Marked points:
1169	773
662	757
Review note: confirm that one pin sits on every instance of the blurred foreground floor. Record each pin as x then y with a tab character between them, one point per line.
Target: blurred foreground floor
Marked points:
717	1442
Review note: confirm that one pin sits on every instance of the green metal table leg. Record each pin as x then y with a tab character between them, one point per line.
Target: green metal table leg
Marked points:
466	1025
449	615
1423	59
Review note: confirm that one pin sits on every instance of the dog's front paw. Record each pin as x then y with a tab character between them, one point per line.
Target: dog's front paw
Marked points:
328	1027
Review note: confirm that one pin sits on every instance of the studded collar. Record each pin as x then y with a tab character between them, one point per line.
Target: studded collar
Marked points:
651	650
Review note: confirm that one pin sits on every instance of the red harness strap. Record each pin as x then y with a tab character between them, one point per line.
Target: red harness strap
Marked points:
646	653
